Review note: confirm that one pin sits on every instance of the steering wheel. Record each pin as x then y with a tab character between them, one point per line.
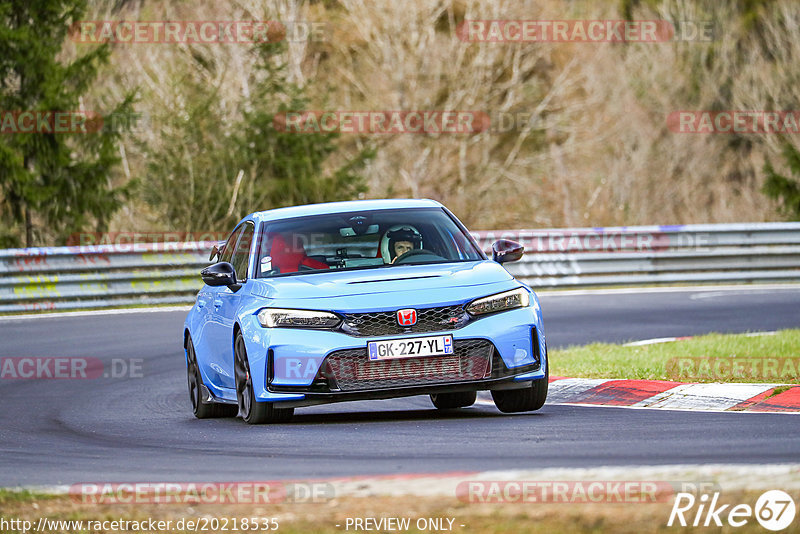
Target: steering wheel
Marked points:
415	252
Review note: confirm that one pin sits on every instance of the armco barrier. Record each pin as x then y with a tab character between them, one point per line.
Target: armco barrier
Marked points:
100	276
634	255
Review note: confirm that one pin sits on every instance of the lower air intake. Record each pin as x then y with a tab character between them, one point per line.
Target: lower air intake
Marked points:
352	370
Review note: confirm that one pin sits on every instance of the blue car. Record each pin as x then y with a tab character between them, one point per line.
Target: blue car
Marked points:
371	299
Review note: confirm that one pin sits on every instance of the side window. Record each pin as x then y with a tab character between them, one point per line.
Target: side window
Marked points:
230	244
242	253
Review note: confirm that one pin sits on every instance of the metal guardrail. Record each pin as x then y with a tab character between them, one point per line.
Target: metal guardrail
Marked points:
635	255
100	276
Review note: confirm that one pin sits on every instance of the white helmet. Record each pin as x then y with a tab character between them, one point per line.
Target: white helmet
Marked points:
398	232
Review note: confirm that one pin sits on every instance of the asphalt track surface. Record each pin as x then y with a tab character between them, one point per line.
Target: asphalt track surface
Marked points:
141	429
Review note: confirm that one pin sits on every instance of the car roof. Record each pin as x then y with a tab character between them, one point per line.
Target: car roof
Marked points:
343	207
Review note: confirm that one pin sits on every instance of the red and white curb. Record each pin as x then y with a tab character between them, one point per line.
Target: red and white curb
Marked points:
661	394
675	395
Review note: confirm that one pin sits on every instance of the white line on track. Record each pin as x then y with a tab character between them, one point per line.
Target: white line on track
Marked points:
91	313
657	340
664	289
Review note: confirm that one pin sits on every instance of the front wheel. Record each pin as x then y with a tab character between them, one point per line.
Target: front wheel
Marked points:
253	412
523	400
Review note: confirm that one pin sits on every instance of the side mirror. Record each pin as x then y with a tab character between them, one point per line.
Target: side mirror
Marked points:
504	250
219	274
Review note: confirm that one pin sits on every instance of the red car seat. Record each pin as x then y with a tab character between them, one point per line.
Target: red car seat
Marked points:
288	259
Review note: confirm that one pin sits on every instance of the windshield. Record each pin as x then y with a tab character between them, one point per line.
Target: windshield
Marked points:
361	240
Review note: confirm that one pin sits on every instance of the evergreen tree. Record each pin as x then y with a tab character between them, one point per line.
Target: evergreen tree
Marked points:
51	184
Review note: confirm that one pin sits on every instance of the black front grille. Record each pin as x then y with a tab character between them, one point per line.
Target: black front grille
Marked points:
385	323
352	370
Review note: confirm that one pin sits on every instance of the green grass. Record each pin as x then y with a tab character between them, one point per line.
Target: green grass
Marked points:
542	518
709	358
21	496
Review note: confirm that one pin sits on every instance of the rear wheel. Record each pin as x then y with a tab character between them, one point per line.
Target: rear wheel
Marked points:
253	412
449	401
523	400
200	408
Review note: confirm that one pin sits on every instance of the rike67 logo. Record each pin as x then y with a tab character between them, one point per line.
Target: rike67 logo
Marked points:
774	510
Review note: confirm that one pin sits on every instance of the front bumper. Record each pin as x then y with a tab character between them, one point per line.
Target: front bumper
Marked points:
288	365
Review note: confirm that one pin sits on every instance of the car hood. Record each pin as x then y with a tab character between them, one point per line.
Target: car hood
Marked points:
419	283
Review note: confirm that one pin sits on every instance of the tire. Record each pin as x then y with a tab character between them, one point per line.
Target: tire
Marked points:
523	400
450	401
200	408
252	411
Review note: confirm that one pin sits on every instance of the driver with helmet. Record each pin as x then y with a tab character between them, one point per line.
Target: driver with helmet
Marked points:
399	240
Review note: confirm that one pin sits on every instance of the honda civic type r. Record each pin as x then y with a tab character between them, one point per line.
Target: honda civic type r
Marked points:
370	299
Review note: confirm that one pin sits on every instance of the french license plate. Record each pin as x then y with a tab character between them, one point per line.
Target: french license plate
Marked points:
412	347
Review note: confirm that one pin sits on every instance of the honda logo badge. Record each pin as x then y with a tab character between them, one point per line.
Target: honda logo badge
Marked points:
407	317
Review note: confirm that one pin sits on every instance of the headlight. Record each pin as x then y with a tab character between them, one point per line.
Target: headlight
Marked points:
278	317
508	300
